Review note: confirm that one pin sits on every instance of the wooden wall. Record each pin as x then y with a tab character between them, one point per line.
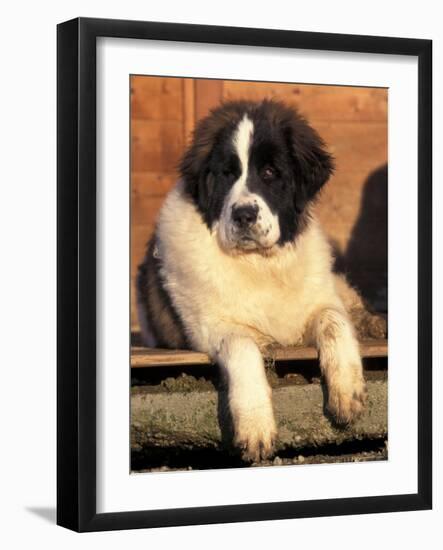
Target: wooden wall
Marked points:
352	121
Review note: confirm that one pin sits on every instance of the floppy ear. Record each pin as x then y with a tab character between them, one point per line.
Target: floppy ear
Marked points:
312	164
195	164
194	167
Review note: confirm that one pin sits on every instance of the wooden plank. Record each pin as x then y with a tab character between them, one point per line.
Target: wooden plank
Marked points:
318	103
151	184
208	94
188	108
145	210
156	98
153	357
156	146
356	147
350	199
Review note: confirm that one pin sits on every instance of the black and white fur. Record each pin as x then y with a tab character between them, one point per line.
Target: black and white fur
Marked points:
239	262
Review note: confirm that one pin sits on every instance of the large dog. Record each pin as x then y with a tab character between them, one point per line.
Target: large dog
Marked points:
239	262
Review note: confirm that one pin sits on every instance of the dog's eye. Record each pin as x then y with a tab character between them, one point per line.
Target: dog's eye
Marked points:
228	171
268	173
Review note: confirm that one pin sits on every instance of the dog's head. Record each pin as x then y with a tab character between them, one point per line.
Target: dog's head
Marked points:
252	170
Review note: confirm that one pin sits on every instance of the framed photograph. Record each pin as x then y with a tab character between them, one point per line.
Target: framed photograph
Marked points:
244	274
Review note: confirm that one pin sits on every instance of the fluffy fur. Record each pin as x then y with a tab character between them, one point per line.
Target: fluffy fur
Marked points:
238	262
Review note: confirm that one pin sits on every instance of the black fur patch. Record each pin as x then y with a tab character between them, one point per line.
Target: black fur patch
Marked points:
288	163
161	317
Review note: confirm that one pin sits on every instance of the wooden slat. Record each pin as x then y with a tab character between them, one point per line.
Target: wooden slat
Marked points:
153	357
318	103
188	108
156	146
156	98
208	94
145	210
356	147
355	198
151	184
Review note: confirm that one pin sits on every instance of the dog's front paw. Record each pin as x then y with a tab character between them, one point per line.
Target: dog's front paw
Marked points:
255	432
347	397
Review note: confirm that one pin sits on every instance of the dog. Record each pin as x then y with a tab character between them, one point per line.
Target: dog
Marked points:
238	262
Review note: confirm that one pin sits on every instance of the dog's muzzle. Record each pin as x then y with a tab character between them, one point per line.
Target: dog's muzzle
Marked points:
245	216
246	230
248	225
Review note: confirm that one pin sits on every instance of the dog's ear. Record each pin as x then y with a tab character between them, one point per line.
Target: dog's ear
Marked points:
194	166
312	164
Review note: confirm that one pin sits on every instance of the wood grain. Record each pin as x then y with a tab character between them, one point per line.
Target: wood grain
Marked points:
151	184
153	357
189	117
356	147
156	146
318	103
345	199
145	210
208	94
156	98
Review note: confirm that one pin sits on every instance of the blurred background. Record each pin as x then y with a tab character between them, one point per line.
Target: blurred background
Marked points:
351	120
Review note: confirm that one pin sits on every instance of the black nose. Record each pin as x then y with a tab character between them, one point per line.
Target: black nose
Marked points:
245	216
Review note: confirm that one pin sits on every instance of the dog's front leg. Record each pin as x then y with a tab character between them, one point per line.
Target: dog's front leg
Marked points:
340	363
249	396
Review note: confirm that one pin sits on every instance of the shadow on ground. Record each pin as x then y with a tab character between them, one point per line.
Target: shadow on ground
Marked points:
47	513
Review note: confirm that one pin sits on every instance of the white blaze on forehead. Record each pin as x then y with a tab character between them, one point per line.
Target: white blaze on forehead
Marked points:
242	142
266	229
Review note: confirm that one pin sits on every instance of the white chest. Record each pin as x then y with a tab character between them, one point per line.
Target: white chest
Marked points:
272	303
271	295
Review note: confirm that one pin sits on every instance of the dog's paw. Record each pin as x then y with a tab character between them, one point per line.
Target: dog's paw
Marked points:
255	433
347	397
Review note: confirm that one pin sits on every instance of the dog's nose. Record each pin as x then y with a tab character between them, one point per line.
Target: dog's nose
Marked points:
245	216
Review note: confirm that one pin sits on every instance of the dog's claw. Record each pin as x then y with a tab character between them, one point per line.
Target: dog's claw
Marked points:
345	405
255	435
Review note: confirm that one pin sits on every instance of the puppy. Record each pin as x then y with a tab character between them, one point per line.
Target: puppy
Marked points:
239	262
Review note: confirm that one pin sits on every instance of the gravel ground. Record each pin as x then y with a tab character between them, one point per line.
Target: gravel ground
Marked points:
379	451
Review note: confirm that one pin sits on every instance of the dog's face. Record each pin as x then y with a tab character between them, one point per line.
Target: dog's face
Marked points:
252	170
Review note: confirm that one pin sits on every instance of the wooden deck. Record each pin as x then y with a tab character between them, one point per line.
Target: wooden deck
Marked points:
155	357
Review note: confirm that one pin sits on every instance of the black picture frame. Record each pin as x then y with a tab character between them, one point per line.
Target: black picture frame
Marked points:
76	265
